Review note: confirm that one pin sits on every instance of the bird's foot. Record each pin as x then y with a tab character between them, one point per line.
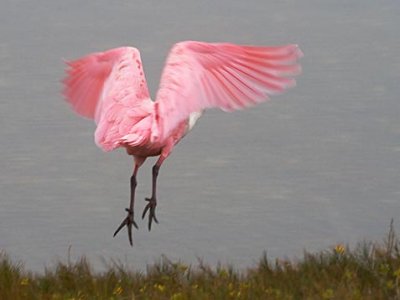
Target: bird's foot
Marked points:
151	207
128	222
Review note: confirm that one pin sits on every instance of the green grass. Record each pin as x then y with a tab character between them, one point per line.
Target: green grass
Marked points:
369	271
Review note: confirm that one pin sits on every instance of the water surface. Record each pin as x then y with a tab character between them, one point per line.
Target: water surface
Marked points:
314	167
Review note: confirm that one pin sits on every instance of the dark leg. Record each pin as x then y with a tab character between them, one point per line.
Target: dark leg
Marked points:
129	220
151	206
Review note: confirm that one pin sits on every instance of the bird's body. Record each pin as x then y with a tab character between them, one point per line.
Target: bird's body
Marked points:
110	87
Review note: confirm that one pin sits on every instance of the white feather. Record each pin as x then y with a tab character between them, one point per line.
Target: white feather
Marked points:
193	118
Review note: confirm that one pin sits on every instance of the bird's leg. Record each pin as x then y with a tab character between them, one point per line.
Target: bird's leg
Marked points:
129	220
151	206
152	202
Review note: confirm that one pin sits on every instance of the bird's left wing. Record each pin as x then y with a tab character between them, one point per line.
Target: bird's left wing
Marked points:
200	75
110	87
91	79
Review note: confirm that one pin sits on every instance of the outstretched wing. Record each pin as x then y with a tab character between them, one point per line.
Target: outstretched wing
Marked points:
201	75
110	88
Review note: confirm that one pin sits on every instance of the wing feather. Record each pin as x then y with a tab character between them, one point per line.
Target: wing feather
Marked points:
109	87
201	75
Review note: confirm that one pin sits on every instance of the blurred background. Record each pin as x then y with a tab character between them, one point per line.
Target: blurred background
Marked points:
317	166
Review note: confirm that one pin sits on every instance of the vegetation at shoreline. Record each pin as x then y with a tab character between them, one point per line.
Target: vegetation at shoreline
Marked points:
369	271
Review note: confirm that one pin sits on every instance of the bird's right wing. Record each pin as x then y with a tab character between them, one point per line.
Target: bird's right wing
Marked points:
200	75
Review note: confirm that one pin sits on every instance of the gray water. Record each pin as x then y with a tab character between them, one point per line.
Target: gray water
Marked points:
316	166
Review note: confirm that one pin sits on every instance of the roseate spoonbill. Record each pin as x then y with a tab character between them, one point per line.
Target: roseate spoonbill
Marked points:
110	87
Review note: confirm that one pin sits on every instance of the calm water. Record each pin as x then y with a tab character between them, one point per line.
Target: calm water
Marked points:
316	166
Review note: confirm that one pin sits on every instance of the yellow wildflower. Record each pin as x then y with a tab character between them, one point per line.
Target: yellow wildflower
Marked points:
24	281
340	249
159	287
117	290
177	296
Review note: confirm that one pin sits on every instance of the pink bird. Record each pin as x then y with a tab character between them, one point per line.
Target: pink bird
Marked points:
110	87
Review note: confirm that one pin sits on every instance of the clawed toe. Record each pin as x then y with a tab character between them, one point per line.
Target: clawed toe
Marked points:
128	222
151	208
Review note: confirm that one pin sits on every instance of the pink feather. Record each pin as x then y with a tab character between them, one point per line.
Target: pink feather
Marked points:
110	87
200	75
